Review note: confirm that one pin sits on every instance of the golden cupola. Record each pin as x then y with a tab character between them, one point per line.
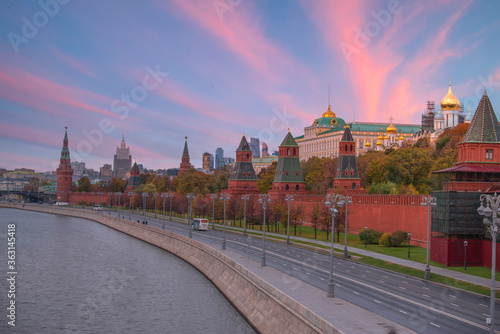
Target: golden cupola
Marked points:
367	144
329	113
391	128
450	102
386	137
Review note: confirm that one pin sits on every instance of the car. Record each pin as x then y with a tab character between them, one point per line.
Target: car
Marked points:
97	208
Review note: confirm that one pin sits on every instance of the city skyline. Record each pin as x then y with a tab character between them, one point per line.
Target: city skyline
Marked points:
214	70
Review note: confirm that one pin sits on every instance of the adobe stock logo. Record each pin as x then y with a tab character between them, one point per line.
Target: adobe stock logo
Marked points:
30	28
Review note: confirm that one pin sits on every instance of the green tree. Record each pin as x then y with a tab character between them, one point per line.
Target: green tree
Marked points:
191	181
116	185
266	177
84	184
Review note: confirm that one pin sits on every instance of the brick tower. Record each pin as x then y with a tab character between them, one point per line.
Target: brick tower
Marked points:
64	173
185	164
243	179
135	178
347	170
288	178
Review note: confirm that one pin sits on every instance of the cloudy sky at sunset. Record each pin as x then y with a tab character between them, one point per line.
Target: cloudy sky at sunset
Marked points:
158	71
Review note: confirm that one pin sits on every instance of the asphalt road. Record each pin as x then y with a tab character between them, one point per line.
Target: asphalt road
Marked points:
419	305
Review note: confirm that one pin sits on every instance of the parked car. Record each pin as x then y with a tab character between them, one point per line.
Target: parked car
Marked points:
97	208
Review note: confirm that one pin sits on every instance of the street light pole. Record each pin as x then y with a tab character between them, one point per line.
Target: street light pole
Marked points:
164	195
156	197
428	201
465	254
492	226
409	240
83	201
144	195
92	193
288	198
170	195
130	194
366	234
244	198
224	197
109	200
213	197
331	202
190	197
346	200
119	201
264	200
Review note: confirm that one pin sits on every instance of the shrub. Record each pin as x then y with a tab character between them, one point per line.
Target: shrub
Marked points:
385	240
371	236
398	237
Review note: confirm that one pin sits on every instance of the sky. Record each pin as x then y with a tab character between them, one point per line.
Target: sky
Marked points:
213	70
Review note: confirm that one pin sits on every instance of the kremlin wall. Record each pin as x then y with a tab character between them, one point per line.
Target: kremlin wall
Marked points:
478	169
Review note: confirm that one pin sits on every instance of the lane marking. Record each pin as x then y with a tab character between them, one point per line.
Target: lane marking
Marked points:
433	324
402	311
455	305
381	281
426	288
376	301
355	292
405	282
426	295
401	287
483	305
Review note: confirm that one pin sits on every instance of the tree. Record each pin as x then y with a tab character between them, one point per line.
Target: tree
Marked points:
315	218
116	185
265	178
84	184
218	180
191	181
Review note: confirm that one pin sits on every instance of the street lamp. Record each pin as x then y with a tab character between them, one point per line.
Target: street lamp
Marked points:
190	197
83	193
213	197
170	195
492	226
144	196
76	198
366	234
409	239
224	197
346	200
119	201
164	196
69	200
130	194
288	198
428	201
156	197
117	205
92	193
109	200
244	198
465	254
331	202
264	200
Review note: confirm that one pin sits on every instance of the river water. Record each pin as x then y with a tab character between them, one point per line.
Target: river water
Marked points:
78	276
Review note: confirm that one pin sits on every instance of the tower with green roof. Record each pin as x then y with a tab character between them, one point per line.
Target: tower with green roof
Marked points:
135	178
64	173
288	177
347	170
243	178
185	164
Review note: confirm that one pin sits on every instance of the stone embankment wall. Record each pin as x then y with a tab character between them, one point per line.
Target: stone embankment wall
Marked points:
266	308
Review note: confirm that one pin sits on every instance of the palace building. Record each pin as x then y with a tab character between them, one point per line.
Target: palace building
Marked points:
322	138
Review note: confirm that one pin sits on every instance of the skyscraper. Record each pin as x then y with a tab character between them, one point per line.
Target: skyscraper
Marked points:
265	150
255	147
122	162
206	161
219	158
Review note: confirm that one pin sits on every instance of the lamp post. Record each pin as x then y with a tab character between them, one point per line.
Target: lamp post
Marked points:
492	226
130	194
164	196
116	193
244	198
264	200
69	199
83	193
190	197
100	198
224	197
76	198
119	203
144	196
156	197
170	195
213	197
331	202
409	240
346	200
92	193
428	201
366	234
109	200
288	198
465	254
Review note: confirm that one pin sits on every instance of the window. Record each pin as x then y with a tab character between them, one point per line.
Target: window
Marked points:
489	154
346	172
287	187
352	172
244	174
353	186
288	151
351	147
286	172
297	173
294	152
297	187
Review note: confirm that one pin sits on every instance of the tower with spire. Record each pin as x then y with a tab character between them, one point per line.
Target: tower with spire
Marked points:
347	170
122	162
185	164
243	179
64	173
135	178
288	178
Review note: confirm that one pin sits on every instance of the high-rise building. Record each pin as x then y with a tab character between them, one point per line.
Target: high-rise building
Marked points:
106	170
122	162
265	150
185	163
78	168
228	161
219	158
206	161
255	147
211	162
64	173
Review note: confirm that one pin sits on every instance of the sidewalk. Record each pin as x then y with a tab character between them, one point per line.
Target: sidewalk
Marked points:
486	282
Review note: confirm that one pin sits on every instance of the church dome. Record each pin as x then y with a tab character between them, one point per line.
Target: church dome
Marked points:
468	117
450	102
391	129
367	144
439	116
380	137
386	137
379	143
329	113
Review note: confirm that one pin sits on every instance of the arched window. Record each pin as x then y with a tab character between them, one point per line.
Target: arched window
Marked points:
297	173
288	151
294	151
353	186
244	174
346	172
346	147
351	147
352	172
287	187
286	172
248	155
297	187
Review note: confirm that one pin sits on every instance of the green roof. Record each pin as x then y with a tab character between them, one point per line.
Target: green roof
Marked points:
327	121
270	159
244	145
289	141
290	165
484	126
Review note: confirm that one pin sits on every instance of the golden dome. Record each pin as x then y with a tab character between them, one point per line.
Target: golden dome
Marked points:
329	113
386	137
391	128
380	137
379	143
450	102
367	144
401	137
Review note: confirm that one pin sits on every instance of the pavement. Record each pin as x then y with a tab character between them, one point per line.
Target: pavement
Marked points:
486	282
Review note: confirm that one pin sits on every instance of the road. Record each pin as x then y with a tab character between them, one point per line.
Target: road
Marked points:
419	305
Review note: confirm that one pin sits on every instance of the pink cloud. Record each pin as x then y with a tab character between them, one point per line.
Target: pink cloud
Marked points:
77	65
